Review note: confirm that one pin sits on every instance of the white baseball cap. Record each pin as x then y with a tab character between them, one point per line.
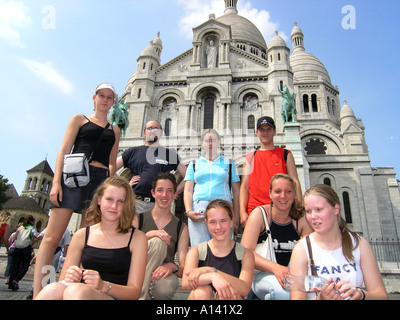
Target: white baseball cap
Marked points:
106	85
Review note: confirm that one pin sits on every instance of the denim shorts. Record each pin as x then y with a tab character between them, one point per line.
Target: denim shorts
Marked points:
78	199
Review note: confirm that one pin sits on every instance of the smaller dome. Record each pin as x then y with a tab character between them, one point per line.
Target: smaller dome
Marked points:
154	48
346	111
157	41
296	30
277	41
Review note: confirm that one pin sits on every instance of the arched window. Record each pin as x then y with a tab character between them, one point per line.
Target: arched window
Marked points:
250	124
167	127
306	106
314	103
208	113
327	181
42	185
29	184
347	209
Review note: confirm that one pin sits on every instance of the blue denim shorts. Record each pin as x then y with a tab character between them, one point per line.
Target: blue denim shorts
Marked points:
78	199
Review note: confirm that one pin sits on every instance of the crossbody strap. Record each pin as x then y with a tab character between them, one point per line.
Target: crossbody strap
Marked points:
98	142
312	264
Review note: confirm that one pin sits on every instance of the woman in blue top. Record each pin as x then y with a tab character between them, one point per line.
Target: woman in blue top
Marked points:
207	179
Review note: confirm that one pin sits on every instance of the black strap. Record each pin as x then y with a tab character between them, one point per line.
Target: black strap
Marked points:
140	218
252	157
230	174
285	154
130	239
312	264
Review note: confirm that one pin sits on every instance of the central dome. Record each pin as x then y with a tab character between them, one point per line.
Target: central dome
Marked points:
243	30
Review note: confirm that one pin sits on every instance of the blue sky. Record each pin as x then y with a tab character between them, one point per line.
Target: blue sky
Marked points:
53	53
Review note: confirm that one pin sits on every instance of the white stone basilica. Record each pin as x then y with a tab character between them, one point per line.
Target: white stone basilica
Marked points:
230	78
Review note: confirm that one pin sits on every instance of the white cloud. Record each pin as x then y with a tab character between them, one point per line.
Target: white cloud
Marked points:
198	11
13	17
46	73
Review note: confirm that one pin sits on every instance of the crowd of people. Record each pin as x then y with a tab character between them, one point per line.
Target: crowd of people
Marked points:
132	246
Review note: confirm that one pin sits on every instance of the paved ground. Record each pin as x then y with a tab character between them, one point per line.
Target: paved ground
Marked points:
25	287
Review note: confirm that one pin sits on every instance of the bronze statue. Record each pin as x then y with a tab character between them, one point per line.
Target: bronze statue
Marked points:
119	116
288	109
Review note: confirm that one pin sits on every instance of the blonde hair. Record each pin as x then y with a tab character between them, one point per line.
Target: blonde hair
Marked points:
128	210
297	209
332	198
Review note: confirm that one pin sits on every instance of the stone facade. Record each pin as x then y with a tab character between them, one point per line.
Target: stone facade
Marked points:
34	199
193	92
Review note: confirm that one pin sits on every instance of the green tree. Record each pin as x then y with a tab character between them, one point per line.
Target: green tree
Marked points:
4	185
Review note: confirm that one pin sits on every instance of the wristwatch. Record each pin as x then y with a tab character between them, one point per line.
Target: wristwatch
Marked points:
177	268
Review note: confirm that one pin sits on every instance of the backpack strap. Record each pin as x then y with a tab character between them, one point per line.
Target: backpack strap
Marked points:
285	155
239	251
252	157
194	171
202	248
230	174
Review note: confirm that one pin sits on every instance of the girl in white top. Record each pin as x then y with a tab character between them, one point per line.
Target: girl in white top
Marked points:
340	255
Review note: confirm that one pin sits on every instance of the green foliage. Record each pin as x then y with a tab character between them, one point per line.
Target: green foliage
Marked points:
4	185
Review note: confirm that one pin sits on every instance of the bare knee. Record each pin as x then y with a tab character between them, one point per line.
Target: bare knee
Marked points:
76	291
202	293
53	291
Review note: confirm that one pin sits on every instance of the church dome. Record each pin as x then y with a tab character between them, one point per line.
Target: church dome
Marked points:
277	41
243	30
346	111
154	48
305	66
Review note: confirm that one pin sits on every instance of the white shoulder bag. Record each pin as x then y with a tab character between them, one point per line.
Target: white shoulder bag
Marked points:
266	248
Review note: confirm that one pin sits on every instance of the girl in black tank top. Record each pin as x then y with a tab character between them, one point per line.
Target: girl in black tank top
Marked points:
112	253
64	200
220	267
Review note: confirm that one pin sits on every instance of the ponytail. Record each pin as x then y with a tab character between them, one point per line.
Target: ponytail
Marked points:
347	242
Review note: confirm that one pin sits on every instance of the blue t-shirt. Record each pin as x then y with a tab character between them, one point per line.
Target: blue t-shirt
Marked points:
147	162
212	180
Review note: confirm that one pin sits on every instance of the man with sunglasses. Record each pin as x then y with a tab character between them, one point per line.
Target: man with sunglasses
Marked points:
146	161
